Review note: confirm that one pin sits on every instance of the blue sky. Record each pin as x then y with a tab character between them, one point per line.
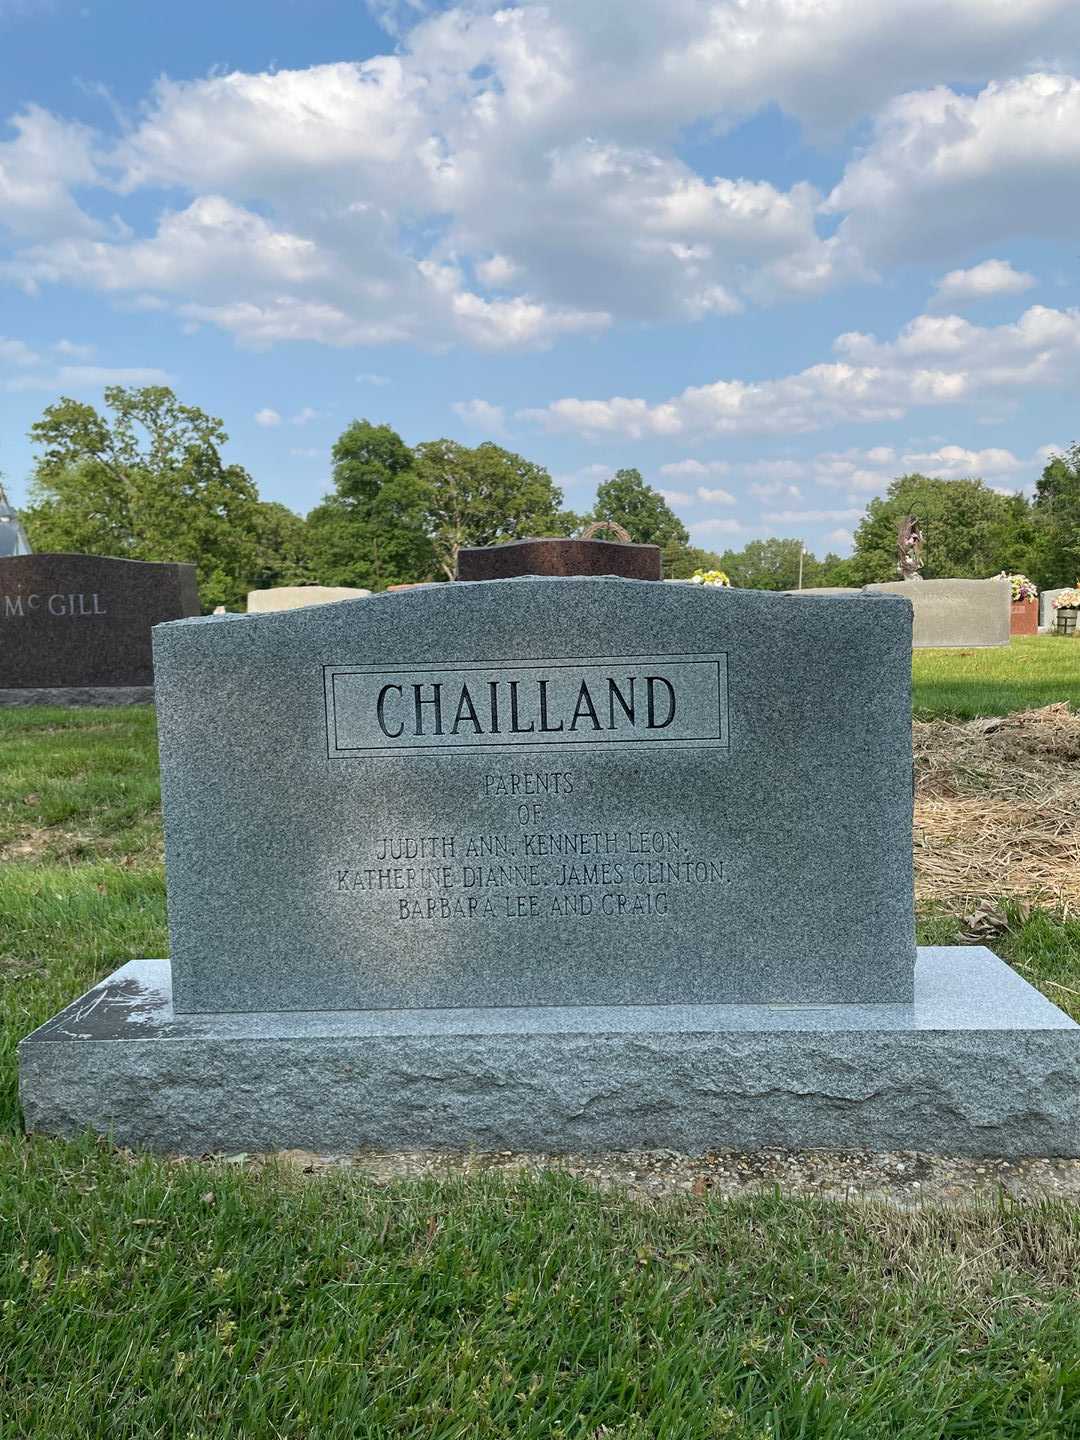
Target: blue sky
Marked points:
772	253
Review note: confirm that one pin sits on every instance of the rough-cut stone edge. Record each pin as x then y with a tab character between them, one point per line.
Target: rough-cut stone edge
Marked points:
75	695
982	1064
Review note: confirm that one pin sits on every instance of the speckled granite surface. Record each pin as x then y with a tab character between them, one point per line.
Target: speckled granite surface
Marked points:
981	1064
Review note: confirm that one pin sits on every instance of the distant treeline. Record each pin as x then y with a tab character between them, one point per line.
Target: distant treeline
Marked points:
146	480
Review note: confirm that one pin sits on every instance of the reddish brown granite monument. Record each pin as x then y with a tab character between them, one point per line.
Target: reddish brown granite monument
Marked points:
581	555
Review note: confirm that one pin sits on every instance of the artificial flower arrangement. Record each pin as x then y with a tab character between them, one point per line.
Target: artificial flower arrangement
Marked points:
1068	599
709	577
1022	587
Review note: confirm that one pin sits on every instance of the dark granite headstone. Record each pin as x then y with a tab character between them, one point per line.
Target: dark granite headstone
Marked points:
560	557
83	622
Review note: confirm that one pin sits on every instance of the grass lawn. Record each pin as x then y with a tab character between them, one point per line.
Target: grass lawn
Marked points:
1032	670
146	1298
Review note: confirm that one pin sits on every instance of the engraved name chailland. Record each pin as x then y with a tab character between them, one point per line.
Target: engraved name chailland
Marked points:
672	700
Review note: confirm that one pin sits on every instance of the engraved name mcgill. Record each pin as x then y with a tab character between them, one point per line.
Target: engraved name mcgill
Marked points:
60	606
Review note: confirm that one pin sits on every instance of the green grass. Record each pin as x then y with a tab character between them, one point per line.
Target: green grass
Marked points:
1029	672
79	785
143	1298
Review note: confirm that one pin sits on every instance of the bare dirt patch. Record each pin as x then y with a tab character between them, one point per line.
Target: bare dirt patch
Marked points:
903	1179
997	809
31	843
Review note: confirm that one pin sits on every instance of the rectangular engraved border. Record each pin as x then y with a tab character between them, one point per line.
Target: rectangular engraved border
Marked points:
720	741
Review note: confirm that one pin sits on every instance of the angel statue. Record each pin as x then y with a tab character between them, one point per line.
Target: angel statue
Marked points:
909	547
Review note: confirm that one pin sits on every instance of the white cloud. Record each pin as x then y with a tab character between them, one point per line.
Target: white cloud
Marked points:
840	537
29	370
715	526
213	245
84	377
692	469
369	377
17	352
588	476
868	472
265	283
809	517
935	360
38	170
703	494
1047	452
1040	349
568	67
74	351
267	418
714	496
981	282
772	489
304	416
502	324
774	472
88	377
481	414
497	272
955	462
259	325
949	172
353	203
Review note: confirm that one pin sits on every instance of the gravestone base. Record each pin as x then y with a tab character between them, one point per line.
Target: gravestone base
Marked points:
981	1064
76	695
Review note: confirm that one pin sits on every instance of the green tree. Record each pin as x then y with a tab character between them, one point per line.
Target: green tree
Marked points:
370	532
485	496
281	547
145	481
834	570
771	564
971	531
680	561
643	511
1056	517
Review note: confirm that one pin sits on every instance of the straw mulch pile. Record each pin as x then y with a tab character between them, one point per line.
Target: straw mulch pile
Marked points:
997	809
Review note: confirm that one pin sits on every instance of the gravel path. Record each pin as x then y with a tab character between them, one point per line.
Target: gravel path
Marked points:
901	1178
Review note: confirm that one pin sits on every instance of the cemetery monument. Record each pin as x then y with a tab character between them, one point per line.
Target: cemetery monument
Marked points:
909	544
554	864
294	597
954	614
76	629
1047	615
13	538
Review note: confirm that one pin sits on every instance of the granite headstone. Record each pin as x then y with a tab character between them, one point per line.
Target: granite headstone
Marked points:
550	864
557	556
967	614
295	597
539	792
1047	613
76	629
